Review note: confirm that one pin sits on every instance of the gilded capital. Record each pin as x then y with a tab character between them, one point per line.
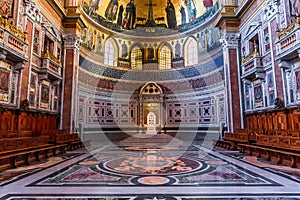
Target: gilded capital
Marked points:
230	40
72	41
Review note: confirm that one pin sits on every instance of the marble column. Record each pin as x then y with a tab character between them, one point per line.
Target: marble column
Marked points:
233	105
70	82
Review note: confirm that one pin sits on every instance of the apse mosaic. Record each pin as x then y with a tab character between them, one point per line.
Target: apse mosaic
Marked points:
124	14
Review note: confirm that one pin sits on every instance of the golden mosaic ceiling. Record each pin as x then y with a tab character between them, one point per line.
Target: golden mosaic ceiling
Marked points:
191	9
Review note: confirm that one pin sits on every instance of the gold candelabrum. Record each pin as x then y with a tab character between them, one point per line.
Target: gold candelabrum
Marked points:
288	28
13	29
49	55
255	53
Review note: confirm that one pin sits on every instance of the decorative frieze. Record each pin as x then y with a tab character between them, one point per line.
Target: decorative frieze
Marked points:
32	10
270	9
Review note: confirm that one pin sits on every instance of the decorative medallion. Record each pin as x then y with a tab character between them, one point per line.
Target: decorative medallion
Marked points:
152	164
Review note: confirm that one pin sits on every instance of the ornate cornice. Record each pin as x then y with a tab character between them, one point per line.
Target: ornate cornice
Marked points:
57	7
270	9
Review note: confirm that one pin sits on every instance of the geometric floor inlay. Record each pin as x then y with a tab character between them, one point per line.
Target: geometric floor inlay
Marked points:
110	172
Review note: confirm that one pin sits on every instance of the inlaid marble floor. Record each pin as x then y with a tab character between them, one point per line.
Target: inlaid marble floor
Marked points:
132	172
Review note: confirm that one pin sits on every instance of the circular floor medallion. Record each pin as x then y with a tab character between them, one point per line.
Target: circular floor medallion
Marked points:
152	165
89	163
153	180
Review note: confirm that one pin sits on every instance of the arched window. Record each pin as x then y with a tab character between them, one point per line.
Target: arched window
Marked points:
164	58
191	53
109	53
136	58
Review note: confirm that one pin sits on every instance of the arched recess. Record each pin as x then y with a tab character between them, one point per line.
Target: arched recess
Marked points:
191	51
164	57
111	52
151	99
136	56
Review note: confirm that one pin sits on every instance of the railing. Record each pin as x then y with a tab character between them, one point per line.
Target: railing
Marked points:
51	62
13	29
252	64
251	57
12	37
288	37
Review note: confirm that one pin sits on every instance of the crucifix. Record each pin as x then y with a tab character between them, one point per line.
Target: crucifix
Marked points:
150	21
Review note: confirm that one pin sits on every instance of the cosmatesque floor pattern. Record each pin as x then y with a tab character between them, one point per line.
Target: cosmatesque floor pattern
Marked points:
176	172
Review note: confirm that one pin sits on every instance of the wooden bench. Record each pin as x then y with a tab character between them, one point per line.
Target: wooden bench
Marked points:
26	152
279	152
226	144
237	137
76	145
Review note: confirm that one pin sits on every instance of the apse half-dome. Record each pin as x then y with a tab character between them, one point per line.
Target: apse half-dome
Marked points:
138	15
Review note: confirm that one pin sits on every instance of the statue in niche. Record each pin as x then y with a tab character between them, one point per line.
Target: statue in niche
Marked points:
120	15
177	50
218	33
111	10
90	39
171	16
83	35
99	43
210	37
150	53
130	15
124	50
202	40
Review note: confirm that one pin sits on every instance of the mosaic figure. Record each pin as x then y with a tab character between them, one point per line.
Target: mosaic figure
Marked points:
183	15
208	3
111	10
130	15
94	4
191	8
120	15
171	16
